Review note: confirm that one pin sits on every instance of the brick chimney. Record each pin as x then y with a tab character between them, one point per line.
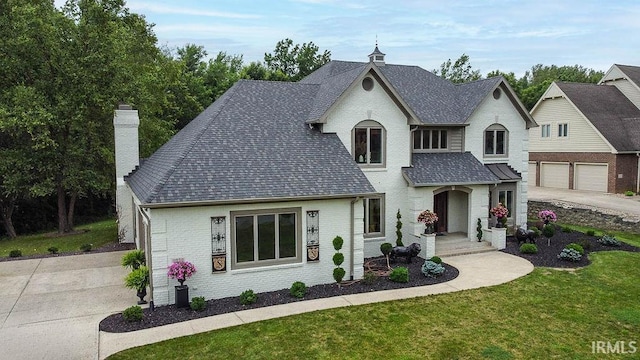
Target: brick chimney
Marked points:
125	123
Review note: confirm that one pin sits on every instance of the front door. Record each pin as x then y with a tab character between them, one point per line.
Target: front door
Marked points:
440	205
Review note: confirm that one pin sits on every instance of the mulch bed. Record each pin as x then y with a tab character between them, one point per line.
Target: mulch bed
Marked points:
548	251
547	256
105	248
163	315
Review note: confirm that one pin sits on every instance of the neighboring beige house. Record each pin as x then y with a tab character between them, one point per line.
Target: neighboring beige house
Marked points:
255	188
589	135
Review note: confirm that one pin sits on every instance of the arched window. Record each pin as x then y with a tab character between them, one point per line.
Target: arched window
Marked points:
369	143
496	141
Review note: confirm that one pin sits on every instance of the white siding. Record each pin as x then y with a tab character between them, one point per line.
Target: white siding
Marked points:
358	105
186	233
582	136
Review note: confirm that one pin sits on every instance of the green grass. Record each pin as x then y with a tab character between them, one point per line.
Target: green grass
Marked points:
547	314
98	234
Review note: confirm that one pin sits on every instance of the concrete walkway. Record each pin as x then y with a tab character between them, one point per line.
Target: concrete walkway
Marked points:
476	271
50	308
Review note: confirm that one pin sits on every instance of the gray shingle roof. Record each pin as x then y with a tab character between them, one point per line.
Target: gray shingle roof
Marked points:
434	169
504	172
252	143
632	72
609	111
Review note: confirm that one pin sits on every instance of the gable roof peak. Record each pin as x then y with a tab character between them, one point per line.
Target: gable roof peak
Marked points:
377	56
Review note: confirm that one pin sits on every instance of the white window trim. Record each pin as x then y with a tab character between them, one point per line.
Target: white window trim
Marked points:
565	130
548	132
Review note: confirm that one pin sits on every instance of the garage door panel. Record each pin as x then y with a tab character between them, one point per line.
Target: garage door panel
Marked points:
554	175
591	177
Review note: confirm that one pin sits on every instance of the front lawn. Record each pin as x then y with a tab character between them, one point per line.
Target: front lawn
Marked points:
547	314
97	234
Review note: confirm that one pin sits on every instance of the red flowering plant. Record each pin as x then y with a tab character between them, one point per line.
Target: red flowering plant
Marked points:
500	211
181	270
428	217
547	216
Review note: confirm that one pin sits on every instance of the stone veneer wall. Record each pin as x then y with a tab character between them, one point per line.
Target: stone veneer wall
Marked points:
585	217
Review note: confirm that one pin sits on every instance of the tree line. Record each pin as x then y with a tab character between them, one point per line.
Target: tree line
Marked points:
63	72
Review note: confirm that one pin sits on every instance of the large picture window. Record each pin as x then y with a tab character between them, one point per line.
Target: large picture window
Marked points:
266	238
495	140
430	139
373	216
368	143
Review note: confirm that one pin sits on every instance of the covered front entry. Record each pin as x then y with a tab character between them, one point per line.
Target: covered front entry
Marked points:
451	203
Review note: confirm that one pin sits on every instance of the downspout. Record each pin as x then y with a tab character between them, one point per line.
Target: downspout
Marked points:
638	175
352	234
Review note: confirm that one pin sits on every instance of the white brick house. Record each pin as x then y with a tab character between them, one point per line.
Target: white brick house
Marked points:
262	181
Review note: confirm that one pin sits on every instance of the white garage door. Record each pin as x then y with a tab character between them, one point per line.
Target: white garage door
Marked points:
554	175
532	174
591	177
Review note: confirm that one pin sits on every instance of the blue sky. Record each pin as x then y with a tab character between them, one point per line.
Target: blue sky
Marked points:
497	34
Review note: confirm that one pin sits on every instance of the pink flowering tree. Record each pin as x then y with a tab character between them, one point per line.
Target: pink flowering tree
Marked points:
547	216
181	270
428	218
501	213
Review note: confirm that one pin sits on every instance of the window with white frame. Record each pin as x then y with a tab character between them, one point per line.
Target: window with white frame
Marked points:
506	198
430	139
546	130
266	237
373	216
563	130
496	140
368	143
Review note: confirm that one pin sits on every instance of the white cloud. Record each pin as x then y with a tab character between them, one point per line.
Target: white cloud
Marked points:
145	7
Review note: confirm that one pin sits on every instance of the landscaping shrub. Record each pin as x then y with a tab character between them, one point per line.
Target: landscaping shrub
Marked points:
400	275
133	259
548	231
133	313
338	274
385	248
608	240
53	250
338	259
629	193
298	289
337	243
586	244
399	229
369	277
432	269
86	247
15	253
436	259
591	233
536	232
566	229
198	303
248	297
529	249
570	255
575	247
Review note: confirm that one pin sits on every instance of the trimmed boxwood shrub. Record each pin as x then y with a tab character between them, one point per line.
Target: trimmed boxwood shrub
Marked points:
570	255
15	253
400	275
338	274
298	289
432	269
548	231
436	259
575	247
337	243
133	313
338	259
608	240
529	249
385	248
248	297
197	303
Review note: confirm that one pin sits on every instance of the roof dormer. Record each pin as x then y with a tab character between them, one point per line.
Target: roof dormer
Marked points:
377	57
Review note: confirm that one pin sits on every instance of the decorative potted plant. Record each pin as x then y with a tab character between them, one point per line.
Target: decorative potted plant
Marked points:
133	259
501	213
138	279
181	270
428	218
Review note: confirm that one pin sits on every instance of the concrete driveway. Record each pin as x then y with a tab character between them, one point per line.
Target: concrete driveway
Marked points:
614	204
50	308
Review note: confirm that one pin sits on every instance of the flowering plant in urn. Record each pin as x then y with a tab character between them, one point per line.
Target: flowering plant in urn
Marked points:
547	216
427	217
499	211
181	270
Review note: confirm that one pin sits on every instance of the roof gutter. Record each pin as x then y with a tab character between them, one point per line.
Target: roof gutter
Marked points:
638	175
252	201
